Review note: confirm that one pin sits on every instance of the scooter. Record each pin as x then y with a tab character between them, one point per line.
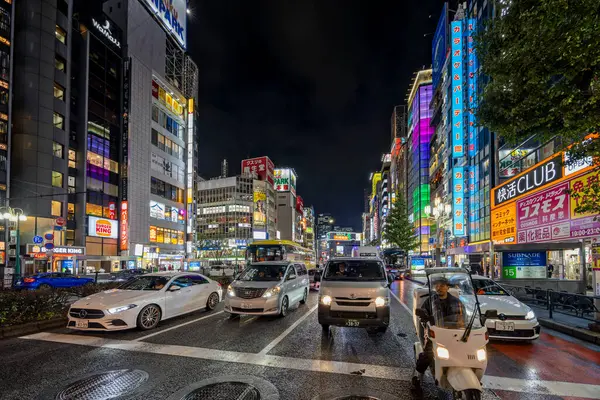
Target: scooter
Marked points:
459	347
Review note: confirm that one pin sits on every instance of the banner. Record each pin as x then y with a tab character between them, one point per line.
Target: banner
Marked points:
260	212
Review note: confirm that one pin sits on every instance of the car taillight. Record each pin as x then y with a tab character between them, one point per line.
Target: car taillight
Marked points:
29	280
219	284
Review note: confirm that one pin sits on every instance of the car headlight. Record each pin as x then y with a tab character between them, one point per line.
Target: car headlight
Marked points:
381	301
274	291
230	291
481	355
117	310
443	353
326	300
530	315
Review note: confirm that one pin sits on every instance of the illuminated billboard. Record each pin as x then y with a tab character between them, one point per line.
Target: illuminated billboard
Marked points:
102	227
260	210
285	180
457	89
458	207
260	167
172	15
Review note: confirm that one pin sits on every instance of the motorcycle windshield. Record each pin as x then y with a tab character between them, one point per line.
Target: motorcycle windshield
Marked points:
452	301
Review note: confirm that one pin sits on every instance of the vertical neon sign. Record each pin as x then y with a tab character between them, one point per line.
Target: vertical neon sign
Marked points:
471	86
457	90
458	207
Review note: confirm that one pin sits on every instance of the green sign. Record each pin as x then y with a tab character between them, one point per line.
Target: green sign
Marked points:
509	272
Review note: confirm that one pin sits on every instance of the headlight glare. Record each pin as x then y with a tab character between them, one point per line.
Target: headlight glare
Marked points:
443	353
326	300
481	355
117	310
274	291
381	301
530	315
230	291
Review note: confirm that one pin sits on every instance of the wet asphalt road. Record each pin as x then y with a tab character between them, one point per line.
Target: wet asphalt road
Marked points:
291	354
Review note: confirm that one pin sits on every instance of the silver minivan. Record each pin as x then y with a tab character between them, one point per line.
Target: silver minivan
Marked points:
268	288
354	293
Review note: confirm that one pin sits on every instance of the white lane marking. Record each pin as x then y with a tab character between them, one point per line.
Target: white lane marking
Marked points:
336	367
176	326
286	332
401	303
550	388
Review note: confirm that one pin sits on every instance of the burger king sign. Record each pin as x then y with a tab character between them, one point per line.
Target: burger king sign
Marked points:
102	227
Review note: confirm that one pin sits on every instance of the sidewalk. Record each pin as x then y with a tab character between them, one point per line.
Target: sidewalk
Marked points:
572	326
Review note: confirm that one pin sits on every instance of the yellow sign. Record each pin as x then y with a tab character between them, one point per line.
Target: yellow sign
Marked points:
260	213
504	224
578	185
374	181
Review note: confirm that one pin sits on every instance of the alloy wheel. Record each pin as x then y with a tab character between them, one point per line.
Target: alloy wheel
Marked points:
150	316
213	300
284	306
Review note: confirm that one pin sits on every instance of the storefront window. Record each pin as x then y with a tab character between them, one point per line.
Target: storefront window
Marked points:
153	233
93	209
160	235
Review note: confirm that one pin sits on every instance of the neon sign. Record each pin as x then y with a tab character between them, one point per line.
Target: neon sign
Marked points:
457	90
458	207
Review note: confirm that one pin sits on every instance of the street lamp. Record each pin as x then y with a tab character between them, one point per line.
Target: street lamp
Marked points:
15	215
440	212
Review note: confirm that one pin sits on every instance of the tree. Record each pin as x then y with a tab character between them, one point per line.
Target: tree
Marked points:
542	58
398	231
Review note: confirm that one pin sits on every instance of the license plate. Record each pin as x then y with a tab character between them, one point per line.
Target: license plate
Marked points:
246	305
352	322
81	324
505	326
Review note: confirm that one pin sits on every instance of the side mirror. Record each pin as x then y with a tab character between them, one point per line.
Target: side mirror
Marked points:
422	313
174	288
491	314
317	277
390	279
291	276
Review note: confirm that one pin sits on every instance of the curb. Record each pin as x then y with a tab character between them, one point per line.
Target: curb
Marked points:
32	327
578	333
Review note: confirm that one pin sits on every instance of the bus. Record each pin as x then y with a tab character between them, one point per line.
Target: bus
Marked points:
279	250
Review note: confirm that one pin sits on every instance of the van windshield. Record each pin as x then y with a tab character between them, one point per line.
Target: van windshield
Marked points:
355	270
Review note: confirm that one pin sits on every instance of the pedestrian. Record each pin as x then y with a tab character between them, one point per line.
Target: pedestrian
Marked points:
487	270
456	265
550	270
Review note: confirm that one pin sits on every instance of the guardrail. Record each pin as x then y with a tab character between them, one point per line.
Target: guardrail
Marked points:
573	304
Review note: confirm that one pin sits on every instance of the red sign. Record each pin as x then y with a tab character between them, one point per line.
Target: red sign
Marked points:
124	237
300	205
60	221
155	89
112	210
261	167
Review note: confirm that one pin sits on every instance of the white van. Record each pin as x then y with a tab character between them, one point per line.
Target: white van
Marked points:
354	293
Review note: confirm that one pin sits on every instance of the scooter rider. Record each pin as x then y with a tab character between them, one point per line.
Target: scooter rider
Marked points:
449	311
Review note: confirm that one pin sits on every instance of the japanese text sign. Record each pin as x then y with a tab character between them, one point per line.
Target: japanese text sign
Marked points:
261	168
456	49
504	224
458	207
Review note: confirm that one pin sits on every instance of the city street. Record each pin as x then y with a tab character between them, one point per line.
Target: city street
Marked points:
291	354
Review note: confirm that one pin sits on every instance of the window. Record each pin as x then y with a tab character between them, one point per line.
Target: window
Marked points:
59	63
72	158
57	150
59	92
58	121
70	211
57	179
56	209
93	209
61	35
71	184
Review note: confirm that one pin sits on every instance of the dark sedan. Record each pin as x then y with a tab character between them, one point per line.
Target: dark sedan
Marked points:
51	280
126	274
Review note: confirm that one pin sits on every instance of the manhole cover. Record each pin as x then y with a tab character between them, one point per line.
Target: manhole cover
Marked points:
225	391
104	385
234	387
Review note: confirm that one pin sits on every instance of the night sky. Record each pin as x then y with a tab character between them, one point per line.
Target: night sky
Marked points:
311	84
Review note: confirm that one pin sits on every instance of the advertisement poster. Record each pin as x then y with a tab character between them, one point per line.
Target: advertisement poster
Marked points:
102	227
260	213
504	228
285	180
525	264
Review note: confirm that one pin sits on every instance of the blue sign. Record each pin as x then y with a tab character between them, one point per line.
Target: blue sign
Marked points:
457	70
471	85
49	236
49	246
439	47
130	264
524	259
67	265
458	201
38	239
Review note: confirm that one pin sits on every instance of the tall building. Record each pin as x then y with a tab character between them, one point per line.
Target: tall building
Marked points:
224	220
325	223
262	170
419	136
285	186
309	228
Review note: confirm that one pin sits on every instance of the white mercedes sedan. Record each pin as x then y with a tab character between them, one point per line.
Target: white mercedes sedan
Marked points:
516	321
145	301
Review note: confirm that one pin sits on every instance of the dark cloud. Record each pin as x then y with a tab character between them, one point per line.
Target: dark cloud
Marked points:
311	84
